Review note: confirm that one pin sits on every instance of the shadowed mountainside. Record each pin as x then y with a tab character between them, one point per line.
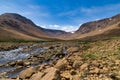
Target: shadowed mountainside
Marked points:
15	26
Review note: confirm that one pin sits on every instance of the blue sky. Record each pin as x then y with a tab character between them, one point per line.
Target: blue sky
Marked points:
65	15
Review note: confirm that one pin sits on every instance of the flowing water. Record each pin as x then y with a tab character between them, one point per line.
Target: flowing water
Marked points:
16	54
19	54
13	55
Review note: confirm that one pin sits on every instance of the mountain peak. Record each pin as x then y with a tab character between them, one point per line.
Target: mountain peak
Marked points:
18	17
11	15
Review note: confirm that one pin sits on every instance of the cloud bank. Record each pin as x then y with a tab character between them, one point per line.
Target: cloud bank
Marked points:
67	28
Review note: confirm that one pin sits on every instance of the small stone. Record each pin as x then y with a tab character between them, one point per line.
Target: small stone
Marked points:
83	66
94	71
26	63
76	64
73	72
72	49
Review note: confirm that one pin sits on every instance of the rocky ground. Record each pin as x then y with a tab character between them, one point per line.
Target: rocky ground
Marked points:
85	60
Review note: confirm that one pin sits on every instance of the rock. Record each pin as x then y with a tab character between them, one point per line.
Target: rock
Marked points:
83	66
117	62
41	67
37	76
73	72
76	64
20	63
51	74
51	47
26	63
76	77
72	49
94	71
19	67
115	76
61	64
27	73
66	75
12	64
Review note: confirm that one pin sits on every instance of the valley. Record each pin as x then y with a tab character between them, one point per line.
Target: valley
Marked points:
30	52
63	60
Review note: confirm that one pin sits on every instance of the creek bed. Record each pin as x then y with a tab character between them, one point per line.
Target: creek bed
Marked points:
8	59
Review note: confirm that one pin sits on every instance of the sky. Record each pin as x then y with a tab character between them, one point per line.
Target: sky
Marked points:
65	15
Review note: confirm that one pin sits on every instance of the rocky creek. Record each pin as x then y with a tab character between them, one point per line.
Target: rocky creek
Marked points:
12	62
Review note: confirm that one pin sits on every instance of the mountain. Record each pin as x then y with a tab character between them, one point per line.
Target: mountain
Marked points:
15	26
100	28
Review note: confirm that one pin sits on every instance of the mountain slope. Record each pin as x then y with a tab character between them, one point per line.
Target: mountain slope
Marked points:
101	28
22	28
15	26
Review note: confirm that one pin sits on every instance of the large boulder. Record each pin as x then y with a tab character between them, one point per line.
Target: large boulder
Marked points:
37	76
61	64
51	74
27	73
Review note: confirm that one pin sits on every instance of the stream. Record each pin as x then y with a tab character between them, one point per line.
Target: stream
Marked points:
10	56
14	55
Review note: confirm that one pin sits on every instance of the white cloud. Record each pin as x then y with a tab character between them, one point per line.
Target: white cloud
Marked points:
69	13
101	9
34	6
25	10
67	28
92	10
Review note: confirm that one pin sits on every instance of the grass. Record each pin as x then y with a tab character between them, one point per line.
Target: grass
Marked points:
85	42
86	47
89	56
99	43
23	41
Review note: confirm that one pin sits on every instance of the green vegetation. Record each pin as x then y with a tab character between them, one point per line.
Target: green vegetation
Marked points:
85	42
99	43
89	56
86	47
23	41
118	48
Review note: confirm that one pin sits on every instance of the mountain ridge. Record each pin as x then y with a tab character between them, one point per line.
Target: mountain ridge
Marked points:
15	26
100	28
25	26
